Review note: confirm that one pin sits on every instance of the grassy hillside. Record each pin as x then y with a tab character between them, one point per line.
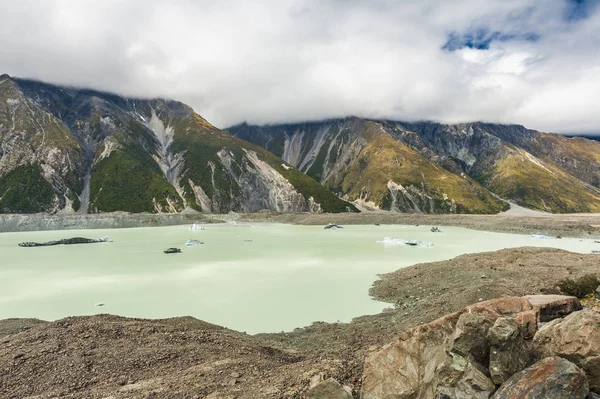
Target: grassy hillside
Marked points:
540	185
129	180
384	159
24	190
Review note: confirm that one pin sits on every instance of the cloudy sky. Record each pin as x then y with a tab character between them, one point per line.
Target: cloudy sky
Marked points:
533	62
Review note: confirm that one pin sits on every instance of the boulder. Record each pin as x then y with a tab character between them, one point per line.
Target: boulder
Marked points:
449	357
576	338
328	389
406	367
552	377
413	365
509	351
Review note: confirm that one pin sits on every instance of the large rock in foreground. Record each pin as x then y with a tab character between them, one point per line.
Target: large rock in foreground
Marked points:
576	338
450	356
552	377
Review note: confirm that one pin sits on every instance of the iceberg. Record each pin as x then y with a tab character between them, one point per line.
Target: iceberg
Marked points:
196	227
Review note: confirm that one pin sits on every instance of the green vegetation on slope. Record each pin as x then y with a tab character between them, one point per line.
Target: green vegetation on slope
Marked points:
128	180
201	142
24	190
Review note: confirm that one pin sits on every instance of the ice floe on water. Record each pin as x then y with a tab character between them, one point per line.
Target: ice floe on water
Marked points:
196	227
399	241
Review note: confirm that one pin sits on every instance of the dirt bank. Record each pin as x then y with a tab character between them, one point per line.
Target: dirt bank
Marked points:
38	222
567	225
107	356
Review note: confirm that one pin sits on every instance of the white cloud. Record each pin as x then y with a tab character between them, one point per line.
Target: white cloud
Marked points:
291	60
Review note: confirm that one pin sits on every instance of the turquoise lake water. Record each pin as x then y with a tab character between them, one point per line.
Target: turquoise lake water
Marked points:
285	277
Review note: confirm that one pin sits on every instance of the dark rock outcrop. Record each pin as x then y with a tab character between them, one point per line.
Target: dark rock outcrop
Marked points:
550	307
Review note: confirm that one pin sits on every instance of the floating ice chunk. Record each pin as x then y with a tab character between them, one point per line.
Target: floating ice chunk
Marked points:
196	227
399	241
539	236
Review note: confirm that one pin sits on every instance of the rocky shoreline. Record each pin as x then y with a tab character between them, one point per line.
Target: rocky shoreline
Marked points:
565	225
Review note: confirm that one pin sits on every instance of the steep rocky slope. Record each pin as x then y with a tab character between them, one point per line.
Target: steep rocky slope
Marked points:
362	161
542	171
440	165
63	149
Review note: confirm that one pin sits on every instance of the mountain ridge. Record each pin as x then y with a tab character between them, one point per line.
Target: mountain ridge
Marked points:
559	174
110	153
66	149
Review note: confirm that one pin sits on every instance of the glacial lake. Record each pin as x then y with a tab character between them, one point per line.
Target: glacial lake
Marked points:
253	278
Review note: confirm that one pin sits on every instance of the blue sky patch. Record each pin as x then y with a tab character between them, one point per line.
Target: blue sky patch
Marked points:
580	9
481	39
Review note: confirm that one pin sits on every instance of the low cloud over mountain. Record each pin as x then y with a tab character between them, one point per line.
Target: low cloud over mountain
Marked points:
533	62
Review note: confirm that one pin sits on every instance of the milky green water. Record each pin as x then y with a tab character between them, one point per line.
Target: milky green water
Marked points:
286	277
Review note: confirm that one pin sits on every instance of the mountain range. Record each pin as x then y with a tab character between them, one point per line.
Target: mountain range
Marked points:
67	150
435	168
72	150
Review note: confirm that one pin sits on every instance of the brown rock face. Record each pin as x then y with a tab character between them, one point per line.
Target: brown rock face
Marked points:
576	338
329	389
552	377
